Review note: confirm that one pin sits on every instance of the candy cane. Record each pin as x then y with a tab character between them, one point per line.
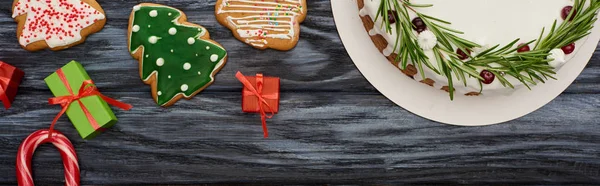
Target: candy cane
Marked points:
61	142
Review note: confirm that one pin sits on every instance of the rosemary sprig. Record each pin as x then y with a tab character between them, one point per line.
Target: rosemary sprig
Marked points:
527	67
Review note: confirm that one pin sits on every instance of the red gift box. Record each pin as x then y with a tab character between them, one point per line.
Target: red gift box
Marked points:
10	79
260	95
269	91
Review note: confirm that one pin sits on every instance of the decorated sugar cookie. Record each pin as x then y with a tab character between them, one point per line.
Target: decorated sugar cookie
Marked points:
56	24
176	58
263	24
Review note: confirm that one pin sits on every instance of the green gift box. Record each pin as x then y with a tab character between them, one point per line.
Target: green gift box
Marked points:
75	75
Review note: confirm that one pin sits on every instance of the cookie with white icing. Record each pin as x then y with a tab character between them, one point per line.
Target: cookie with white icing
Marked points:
263	24
176	58
56	24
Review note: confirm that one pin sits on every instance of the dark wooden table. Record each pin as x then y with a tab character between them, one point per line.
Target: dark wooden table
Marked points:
334	127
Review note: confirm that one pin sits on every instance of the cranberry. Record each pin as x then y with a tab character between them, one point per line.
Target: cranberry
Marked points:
462	55
488	77
569	48
419	25
392	14
523	48
566	11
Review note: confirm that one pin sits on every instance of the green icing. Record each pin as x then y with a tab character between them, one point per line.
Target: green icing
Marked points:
181	67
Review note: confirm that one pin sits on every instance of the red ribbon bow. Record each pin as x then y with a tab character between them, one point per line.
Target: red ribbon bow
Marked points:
87	89
249	89
3	97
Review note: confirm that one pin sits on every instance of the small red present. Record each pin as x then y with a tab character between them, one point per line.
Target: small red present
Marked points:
260	95
10	79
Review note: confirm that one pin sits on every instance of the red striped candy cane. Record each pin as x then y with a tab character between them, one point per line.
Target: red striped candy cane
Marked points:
61	142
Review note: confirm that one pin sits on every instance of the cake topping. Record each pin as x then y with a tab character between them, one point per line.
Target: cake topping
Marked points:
558	58
523	48
459	60
462	55
427	40
569	48
488	77
566	11
418	25
392	14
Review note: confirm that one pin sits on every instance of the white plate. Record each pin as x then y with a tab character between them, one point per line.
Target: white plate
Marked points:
434	104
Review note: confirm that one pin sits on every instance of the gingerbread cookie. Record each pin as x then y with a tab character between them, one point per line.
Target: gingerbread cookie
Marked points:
56	24
263	23
176	58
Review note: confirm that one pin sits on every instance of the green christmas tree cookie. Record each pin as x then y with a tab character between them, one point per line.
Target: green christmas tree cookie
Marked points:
177	58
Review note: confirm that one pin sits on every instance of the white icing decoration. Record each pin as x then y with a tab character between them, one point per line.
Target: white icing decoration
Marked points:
214	57
169	76
170	13
159	93
184	87
160	62
199	73
187	66
207	48
36	15
153	39
427	40
153	13
172	51
254	25
558	56
173	31
135	28
136	7
191	40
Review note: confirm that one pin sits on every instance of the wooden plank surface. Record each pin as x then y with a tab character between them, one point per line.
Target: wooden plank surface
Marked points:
334	127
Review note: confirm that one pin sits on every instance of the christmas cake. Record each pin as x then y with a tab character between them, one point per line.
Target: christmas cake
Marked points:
487	47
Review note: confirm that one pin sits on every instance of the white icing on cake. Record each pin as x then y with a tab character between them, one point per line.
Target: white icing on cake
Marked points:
486	22
558	57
